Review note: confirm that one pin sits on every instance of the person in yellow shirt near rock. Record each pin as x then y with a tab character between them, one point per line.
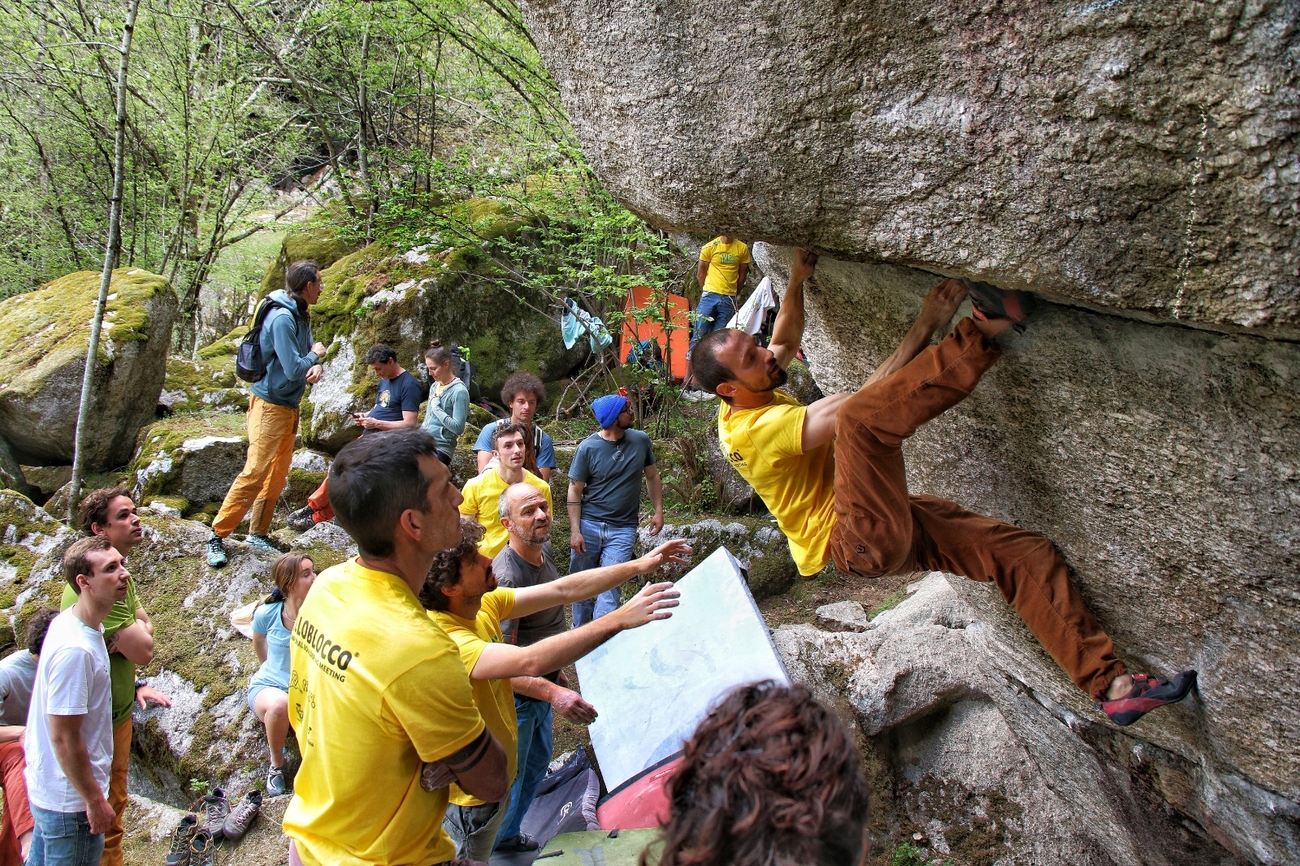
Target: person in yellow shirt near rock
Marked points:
376	690
723	268
482	493
833	475
465	601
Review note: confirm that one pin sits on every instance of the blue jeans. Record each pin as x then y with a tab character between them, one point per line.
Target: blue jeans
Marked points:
63	839
535	718
606	545
712	314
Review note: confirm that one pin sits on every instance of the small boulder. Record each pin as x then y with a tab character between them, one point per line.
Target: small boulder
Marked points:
757	544
191	457
44	335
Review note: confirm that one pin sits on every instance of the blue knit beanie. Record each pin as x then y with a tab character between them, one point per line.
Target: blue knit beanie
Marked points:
607	409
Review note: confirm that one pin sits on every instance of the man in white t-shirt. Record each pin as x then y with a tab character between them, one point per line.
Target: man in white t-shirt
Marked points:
69	738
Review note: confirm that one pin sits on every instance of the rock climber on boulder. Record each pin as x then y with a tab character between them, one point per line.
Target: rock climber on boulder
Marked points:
833	474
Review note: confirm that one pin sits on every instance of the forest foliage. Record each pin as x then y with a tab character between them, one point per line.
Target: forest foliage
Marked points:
240	111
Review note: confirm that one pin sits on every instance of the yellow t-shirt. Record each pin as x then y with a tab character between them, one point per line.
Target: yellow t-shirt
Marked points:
766	447
375	690
482	493
724	265
494	698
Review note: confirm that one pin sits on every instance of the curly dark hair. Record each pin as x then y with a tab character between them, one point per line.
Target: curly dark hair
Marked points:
771	777
519	382
445	570
37	626
94	508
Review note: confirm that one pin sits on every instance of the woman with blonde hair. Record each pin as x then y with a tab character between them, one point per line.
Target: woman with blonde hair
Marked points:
268	690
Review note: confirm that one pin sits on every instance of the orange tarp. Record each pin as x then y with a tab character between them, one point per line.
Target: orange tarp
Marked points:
669	308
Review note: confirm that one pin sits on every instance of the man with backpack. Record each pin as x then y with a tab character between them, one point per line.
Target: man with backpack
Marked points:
292	360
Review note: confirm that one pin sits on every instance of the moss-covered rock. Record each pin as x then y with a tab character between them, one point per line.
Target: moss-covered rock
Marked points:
319	244
31	547
44	336
193	386
405	299
193	458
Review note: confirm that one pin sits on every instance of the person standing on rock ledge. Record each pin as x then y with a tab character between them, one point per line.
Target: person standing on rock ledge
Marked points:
723	268
854	506
292	361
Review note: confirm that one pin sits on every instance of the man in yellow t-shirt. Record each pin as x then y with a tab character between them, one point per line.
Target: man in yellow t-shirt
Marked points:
376	689
467	604
723	268
833	474
483	492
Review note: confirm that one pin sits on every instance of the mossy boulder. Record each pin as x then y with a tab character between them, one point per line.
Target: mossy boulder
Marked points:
190	457
11	473
405	299
319	244
194	386
44	336
31	547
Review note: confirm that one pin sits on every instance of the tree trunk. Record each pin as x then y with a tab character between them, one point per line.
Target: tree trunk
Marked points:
110	255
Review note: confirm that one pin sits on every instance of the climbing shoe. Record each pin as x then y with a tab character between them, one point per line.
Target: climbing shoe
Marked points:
203	849
179	853
275	784
215	809
300	520
242	816
262	542
989	302
216	552
1147	694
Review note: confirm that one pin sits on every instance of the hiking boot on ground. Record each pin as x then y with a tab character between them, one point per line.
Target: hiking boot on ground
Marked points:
989	302
203	849
179	853
300	520
216	552
1147	694
242	816
215	808
261	541
275	784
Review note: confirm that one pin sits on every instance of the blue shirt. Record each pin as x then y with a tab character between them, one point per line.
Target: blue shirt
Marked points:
612	474
541	444
397	395
275	670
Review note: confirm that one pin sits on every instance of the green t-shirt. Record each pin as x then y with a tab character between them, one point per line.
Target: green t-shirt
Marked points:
121	670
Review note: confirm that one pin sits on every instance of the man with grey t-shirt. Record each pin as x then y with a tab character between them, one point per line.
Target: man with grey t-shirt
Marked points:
526	561
604	498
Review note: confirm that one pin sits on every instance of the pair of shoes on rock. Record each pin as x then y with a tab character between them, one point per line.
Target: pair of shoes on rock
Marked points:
516	844
192	845
1147	694
301	520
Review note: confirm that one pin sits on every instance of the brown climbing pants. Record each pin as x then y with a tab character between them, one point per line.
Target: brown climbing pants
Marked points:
882	529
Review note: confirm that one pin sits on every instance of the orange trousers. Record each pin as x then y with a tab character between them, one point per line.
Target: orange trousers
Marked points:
271	430
882	529
17	818
117	795
319	503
